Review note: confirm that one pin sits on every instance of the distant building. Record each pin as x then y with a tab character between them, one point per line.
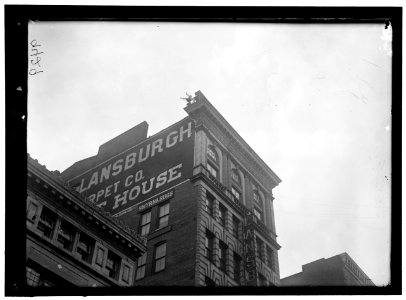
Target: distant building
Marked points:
71	242
197	192
339	270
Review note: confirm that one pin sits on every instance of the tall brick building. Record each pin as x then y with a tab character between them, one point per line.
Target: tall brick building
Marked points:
197	192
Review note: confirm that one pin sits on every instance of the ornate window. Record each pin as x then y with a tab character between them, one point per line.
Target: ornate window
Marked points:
237	267
222	214
236	177
212	154
222	255
208	245
212	165
209	203
235	194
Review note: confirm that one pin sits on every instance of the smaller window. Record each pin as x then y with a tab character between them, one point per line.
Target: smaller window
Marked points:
141	263
66	234
159	257
237	267
85	247
222	256
235	226
208	245
260	248
32	277
262	280
47	222
209	282
258	213
212	170
212	153
235	194
163	217
113	264
32	211
222	214
236	177
271	258
145	223
209	203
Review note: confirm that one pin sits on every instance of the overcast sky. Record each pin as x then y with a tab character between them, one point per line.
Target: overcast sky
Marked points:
313	101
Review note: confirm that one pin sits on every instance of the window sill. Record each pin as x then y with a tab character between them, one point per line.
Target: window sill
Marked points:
159	232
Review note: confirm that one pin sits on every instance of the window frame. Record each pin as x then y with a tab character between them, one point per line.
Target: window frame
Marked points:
222	214
145	225
209	245
223	256
141	265
160	258
48	225
114	270
209	203
159	225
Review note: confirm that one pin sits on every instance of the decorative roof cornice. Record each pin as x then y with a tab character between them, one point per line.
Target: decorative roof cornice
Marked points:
201	109
53	179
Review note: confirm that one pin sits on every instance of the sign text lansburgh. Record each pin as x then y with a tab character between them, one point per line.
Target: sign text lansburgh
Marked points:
142	171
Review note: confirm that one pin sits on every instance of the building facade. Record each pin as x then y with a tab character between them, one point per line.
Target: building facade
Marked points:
197	192
338	270
70	242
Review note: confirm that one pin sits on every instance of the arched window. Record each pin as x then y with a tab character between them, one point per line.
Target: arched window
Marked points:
258	206
213	165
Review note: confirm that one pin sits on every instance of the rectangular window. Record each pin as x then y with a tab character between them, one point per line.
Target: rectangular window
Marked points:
236	226
32	211
222	214
113	264
236	194
145	223
212	154
208	245
262	280
47	222
237	267
209	282
163	216
271	258
209	203
212	170
142	261
85	247
66	234
32	277
159	257
223	256
258	214
259	248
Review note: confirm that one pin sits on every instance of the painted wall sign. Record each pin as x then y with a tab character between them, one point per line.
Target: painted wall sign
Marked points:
139	173
249	249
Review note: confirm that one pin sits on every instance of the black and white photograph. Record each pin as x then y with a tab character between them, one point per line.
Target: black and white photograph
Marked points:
215	153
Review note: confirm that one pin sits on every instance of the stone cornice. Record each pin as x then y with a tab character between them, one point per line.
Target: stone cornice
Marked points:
69	196
205	113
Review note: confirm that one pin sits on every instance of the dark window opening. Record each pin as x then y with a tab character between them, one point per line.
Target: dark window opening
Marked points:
66	234
208	245
47	222
85	247
145	223
141	263
163	216
112	264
